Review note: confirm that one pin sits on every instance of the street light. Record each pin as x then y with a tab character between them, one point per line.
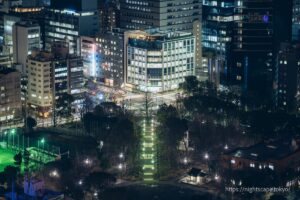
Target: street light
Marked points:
54	174
206	156
120	166
226	147
87	161
185	160
217	177
121	155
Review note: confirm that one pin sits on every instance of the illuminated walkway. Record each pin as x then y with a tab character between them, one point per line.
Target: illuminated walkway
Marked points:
148	150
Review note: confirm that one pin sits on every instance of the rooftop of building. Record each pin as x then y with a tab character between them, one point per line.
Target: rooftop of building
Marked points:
74	5
159	34
268	150
27	24
41	56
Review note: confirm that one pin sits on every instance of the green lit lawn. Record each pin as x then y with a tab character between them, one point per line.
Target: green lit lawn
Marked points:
6	158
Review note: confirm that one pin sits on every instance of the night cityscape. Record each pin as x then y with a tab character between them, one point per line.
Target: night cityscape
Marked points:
149	99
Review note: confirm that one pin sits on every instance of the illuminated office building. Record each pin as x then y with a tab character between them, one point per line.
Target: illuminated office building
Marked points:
111	48
256	38
10	94
39	92
296	20
91	57
109	15
158	61
52	74
165	15
8	22
68	20
103	57
217	34
287	81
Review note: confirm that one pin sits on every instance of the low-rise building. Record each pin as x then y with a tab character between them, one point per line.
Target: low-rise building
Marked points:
278	155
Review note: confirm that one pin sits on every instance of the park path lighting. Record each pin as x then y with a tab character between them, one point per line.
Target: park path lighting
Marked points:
121	155
120	166
185	160
87	162
217	177
226	147
206	156
54	174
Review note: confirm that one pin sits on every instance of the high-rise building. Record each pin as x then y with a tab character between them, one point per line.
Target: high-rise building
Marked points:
10	94
109	15
75	77
257	34
68	20
39	92
165	15
111	49
296	20
200	70
217	34
103	57
26	38
91	57
287	81
8	22
158	61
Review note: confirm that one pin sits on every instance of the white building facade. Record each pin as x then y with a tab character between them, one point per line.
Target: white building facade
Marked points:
158	61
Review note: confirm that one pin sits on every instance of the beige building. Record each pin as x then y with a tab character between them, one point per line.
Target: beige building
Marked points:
39	94
26	38
10	94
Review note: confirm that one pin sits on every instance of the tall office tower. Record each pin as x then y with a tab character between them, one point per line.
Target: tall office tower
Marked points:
67	20
103	57
165	15
8	22
296	20
109	15
158	61
39	93
200	70
256	37
111	48
217	33
15	15
75	77
66	72
287	81
10	94
91	58
26	38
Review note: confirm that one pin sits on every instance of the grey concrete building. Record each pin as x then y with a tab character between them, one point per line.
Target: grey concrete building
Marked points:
165	15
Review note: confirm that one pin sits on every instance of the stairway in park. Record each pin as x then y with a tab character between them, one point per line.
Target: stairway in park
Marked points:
148	155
